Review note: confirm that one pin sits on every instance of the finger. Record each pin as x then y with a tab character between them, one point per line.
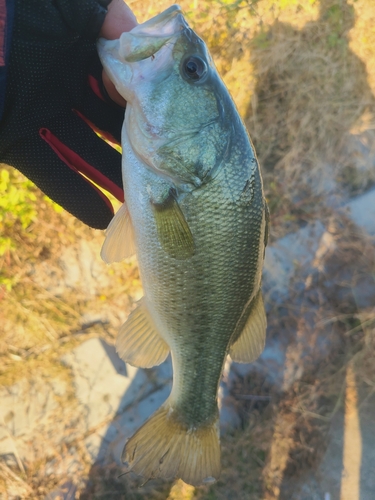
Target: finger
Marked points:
74	140
111	90
77	163
38	161
119	18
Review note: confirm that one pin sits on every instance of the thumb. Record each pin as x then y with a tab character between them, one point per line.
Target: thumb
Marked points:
119	18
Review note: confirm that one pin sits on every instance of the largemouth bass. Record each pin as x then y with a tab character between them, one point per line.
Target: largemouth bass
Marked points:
196	216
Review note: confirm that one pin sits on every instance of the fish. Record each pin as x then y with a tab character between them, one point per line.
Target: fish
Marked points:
197	219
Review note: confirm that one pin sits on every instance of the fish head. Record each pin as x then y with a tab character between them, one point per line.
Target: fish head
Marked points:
176	120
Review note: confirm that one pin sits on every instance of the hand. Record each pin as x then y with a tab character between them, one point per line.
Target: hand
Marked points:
55	97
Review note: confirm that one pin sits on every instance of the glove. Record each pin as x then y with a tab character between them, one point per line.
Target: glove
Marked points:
54	100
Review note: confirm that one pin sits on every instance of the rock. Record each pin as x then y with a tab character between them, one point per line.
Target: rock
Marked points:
364	292
89	319
362	211
272	362
79	267
25	405
309	490
66	491
359	151
84	269
229	418
295	251
70	266
31	409
104	385
105	445
7	446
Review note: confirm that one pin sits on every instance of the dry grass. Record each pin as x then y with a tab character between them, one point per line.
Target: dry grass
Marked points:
312	91
303	77
39	322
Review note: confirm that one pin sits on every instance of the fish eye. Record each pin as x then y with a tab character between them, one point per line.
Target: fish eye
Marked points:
194	68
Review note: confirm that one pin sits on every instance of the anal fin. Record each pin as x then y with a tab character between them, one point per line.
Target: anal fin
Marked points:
249	345
138	342
119	242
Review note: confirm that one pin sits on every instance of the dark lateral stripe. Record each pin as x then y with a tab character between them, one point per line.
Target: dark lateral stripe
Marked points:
3	17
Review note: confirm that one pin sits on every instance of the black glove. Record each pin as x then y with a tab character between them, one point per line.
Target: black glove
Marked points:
54	97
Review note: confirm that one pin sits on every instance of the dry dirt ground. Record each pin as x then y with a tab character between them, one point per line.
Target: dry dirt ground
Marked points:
303	76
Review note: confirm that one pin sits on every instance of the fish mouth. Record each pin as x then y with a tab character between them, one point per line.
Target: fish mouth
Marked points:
157	36
162	25
146	39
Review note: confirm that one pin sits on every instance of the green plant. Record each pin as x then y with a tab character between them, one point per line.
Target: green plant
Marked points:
17	205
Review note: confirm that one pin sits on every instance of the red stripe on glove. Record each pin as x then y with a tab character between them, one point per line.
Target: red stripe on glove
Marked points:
80	166
106	135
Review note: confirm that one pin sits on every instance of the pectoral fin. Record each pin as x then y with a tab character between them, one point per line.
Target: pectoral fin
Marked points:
173	231
250	343
138	342
119	242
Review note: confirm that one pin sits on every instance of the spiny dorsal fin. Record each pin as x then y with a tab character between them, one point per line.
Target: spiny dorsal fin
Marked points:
165	447
138	342
173	231
119	241
250	343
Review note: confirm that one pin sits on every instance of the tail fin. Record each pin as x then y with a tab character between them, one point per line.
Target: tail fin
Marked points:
164	447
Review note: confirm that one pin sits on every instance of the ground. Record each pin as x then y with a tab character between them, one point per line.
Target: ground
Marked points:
298	423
